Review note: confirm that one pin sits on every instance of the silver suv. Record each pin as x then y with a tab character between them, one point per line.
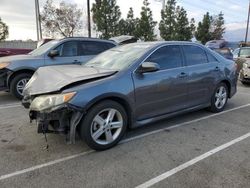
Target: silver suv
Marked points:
15	71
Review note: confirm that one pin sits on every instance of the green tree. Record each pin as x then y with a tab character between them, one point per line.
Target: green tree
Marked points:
182	29
168	22
217	26
106	16
4	30
203	32
146	24
131	22
64	20
123	27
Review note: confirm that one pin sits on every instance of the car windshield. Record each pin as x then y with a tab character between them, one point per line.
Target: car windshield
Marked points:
245	52
44	48
120	57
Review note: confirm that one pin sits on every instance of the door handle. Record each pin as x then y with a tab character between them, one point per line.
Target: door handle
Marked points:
216	69
182	75
76	62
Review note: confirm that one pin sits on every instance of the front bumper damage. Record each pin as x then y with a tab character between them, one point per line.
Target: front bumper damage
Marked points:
60	121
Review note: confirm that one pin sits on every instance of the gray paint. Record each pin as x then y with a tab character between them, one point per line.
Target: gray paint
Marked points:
155	95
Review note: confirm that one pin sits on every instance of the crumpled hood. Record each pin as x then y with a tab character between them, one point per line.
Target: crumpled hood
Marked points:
15	58
53	78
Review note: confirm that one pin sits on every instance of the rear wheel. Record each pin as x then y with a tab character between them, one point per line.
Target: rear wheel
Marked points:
18	83
104	125
219	98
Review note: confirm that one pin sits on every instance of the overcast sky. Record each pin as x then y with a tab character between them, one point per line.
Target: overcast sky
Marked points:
19	15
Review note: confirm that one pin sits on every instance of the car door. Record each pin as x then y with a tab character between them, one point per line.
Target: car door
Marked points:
203	70
89	49
68	54
165	90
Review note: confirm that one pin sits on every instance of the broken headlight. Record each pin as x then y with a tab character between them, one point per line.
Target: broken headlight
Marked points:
50	102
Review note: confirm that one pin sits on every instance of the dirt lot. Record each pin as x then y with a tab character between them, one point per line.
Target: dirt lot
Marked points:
198	149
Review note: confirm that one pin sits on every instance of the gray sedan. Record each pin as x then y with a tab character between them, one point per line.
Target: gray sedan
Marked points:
126	87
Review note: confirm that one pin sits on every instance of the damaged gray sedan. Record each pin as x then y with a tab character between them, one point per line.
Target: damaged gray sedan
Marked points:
126	87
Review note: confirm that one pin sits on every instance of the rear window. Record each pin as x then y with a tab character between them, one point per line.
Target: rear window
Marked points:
93	48
194	55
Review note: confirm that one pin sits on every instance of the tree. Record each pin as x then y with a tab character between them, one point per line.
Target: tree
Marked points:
131	22
106	16
167	23
4	30
123	27
203	33
174	24
217	26
64	20
182	31
146	24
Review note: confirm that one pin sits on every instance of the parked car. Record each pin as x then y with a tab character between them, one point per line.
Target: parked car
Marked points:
216	44
15	71
243	61
124	39
225	52
126	87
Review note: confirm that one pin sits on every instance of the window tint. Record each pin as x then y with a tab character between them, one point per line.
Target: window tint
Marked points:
211	58
194	55
67	49
167	57
92	48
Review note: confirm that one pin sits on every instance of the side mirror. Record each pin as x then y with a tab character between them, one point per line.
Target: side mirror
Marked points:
53	53
148	67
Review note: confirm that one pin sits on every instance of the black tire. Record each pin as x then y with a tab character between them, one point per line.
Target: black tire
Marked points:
245	83
86	124
213	107
14	82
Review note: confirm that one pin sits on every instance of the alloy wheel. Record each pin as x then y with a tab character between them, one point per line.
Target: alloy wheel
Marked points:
107	126
21	84
220	97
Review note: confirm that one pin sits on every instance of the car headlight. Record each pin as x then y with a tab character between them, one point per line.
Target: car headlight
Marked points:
4	64
51	102
245	65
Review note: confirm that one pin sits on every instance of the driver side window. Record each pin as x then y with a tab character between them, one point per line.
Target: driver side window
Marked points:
67	49
167	57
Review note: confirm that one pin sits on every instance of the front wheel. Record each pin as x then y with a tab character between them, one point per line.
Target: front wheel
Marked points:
104	125
219	98
18	83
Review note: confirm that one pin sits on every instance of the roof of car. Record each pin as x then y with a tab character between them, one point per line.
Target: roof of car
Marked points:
88	39
156	43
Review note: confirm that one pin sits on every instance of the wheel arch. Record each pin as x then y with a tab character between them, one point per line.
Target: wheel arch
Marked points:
21	71
228	84
117	98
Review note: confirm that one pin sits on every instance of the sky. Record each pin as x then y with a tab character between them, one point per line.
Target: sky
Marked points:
19	15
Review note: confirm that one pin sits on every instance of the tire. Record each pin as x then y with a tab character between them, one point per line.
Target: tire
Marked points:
95	130
244	83
219	101
21	79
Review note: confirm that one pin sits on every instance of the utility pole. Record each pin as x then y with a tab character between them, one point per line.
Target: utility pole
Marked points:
89	25
38	21
247	23
37	25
